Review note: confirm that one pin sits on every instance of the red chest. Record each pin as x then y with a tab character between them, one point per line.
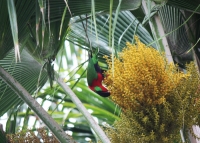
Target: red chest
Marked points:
98	82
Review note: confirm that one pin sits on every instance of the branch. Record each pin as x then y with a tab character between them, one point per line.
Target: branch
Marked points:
84	111
158	32
35	106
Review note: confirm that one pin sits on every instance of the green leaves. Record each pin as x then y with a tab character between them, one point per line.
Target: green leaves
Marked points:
11	122
76	6
125	20
22	14
179	44
35	106
101	108
27	75
46	34
14	27
100	113
185	4
2	134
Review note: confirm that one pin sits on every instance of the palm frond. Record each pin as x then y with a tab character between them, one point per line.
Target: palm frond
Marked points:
185	4
125	18
23	15
179	43
27	75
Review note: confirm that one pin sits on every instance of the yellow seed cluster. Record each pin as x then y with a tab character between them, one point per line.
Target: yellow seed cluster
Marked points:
158	100
140	77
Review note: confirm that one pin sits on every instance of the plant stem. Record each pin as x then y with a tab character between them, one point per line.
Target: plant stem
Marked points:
35	106
84	111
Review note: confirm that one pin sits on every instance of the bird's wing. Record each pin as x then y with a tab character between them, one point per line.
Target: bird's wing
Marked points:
91	72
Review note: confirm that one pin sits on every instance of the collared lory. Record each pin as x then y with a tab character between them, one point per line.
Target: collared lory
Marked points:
95	77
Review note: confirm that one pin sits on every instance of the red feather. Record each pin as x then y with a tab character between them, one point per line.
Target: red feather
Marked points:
98	82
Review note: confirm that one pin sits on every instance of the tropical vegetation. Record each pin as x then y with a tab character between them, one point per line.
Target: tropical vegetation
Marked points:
158	100
38	37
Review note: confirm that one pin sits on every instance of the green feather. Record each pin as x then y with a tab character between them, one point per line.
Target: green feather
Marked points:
97	88
91	72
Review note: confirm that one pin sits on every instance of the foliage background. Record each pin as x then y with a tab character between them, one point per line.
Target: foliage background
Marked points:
38	24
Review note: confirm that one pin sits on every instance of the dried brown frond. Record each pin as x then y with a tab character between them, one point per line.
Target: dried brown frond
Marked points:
30	136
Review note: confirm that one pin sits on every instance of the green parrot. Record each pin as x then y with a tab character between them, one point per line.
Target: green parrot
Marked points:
95	76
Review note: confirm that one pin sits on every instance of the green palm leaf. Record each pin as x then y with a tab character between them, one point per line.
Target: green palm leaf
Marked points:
49	45
185	4
178	41
125	20
24	11
27	75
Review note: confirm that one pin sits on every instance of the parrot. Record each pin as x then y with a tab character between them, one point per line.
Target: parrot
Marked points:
95	76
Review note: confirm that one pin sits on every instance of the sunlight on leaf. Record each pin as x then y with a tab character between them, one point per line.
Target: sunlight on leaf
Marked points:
14	27
94	18
42	4
110	23
61	25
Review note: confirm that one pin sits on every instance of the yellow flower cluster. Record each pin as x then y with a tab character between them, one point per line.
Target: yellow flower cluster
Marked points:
130	129
141	77
158	100
162	122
